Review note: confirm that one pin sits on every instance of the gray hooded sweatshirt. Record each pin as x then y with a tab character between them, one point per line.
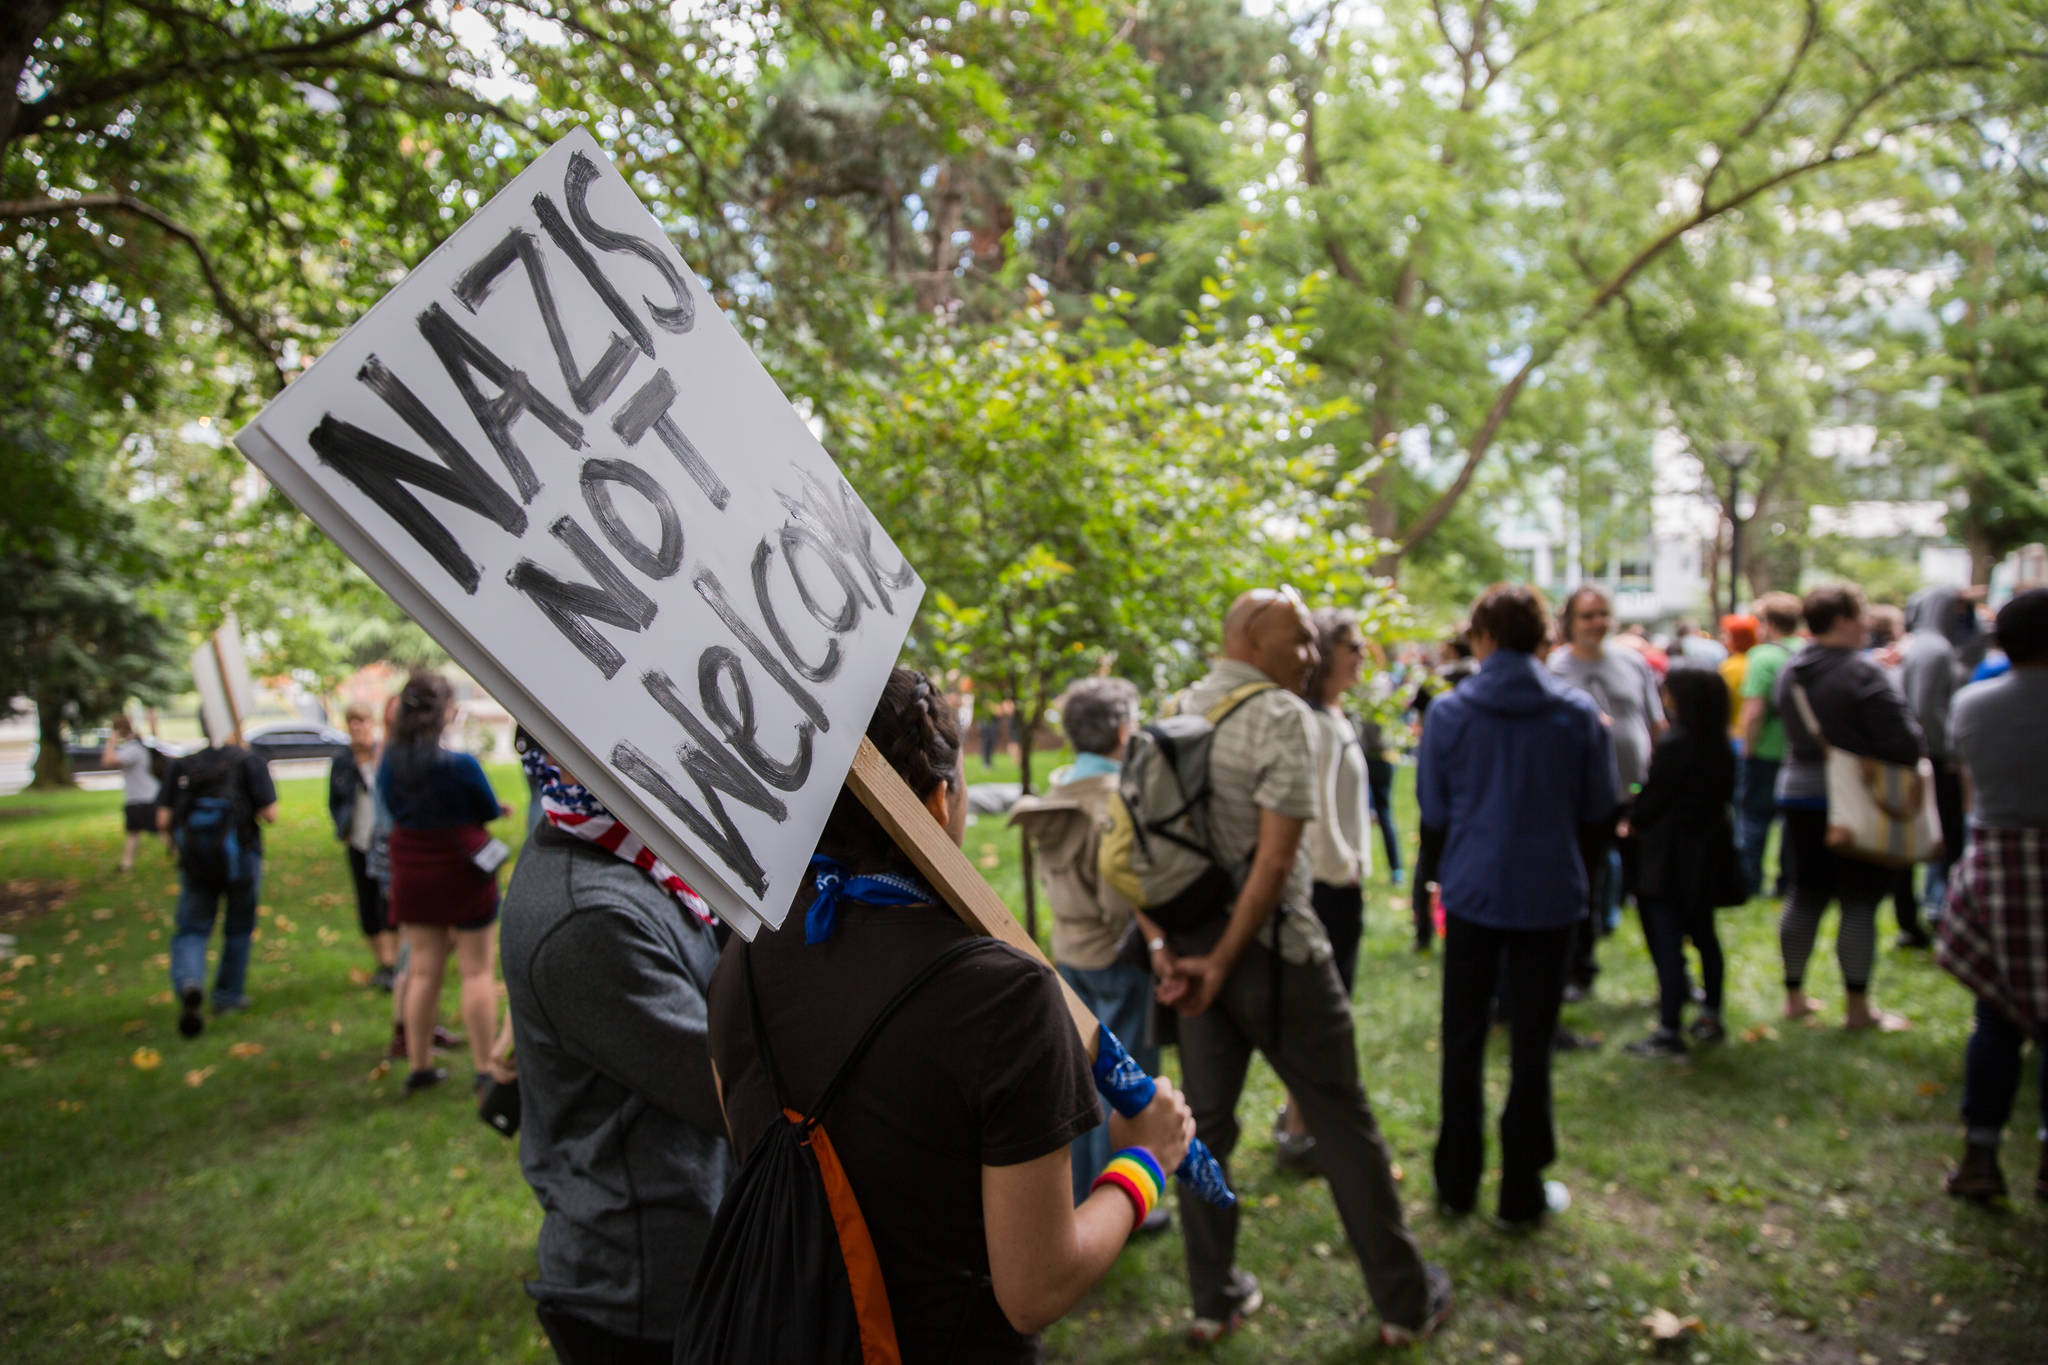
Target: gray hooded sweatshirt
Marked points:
1942	645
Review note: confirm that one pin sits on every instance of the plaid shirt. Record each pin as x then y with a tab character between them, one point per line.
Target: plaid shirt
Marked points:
1264	758
1994	938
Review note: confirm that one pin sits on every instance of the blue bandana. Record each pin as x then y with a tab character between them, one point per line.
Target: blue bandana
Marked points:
832	884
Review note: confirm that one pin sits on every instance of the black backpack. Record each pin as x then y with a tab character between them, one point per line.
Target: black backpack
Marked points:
208	812
789	1272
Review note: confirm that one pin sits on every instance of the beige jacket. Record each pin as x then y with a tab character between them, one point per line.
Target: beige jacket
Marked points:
1065	827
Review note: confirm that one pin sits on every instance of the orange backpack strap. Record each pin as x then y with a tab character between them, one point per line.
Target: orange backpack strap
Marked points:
863	1267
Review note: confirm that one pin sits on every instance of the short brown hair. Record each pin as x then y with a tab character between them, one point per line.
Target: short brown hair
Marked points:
1513	615
1827	605
1571	605
1780	610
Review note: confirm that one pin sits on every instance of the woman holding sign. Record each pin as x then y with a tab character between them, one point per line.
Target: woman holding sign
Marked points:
953	1126
444	881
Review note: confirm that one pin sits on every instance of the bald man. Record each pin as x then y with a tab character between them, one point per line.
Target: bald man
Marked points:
1258	973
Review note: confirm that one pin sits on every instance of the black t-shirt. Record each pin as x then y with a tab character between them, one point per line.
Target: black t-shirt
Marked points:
982	1067
257	792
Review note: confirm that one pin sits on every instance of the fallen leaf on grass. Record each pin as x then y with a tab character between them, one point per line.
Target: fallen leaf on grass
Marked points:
1666	1325
245	1050
357	976
145	1059
103	913
1759	1033
133	1026
197	1078
1932	1087
380	1071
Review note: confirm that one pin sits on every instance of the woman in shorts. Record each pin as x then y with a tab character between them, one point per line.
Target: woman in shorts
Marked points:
138	786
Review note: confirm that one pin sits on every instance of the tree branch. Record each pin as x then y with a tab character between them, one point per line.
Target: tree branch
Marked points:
1770	104
61	102
44	206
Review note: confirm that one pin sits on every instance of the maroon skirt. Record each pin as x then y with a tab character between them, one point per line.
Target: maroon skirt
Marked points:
433	880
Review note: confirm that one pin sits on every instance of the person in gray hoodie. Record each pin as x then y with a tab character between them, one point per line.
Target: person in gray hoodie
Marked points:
607	957
1943	645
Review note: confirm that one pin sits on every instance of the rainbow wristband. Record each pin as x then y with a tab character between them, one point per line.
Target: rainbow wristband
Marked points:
1136	1172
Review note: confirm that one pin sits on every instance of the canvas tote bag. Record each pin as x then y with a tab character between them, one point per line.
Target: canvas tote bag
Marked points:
1877	812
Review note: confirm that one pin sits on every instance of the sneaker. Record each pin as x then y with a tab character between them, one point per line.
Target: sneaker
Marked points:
1244	1299
1295	1152
191	1023
1397	877
1913	940
1564	1040
1978	1177
444	1039
1662	1043
1707	1029
497	1105
1440	1300
417	1081
1557	1197
234	1006
382	978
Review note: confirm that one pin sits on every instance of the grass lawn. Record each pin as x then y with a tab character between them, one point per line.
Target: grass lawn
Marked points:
264	1193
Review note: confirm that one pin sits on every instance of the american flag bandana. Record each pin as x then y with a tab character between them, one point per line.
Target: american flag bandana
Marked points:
571	808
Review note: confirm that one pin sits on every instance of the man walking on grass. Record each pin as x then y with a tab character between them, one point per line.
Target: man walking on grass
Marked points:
214	804
1515	780
1763	736
1259	975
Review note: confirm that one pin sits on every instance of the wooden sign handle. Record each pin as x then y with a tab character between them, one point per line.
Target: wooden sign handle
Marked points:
891	801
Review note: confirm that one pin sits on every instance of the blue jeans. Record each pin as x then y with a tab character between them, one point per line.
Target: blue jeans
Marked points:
1756	809
1991	1075
194	925
1122	999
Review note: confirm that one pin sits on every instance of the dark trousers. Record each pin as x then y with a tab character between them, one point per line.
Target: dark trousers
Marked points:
1666	927
1758	807
579	1341
1991	1074
1474	957
1342	911
1379	789
1317	1060
1906	903
371	915
1582	963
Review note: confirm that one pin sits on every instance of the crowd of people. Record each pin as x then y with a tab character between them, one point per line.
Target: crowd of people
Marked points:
1564	769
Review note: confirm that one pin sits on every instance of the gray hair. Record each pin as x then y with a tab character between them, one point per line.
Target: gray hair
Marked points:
1094	710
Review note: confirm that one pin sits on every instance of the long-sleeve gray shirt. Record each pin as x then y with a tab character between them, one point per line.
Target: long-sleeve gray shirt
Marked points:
620	1133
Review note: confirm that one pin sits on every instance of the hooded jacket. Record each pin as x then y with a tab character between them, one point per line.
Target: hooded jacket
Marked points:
1065	826
1512	764
1859	711
1932	664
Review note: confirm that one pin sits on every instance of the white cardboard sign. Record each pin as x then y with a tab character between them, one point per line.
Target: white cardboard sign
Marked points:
220	674
552	449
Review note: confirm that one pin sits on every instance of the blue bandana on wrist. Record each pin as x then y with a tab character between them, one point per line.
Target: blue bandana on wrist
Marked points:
831	883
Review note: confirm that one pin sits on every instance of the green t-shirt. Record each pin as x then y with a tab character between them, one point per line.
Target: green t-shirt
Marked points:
1766	661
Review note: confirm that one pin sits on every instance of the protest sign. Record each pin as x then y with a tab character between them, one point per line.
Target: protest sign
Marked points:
220	674
553	450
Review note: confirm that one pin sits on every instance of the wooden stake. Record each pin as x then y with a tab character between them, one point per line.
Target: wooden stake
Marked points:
891	801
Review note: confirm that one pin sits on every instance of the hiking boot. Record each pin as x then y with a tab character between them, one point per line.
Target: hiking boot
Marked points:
1244	1298
191	1023
1978	1177
1440	1300
1662	1043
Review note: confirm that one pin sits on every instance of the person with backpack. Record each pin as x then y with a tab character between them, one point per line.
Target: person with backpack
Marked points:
1689	864
142	768
1090	917
939	1080
214	804
1249	966
1515	782
607	954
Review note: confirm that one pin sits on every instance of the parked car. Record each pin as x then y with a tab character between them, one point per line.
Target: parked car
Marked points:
297	739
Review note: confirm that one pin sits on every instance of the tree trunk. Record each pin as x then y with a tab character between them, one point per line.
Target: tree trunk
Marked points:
53	765
21	23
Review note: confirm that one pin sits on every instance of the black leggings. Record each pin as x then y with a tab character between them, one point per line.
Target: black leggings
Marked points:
371	914
1666	927
1820	876
1342	911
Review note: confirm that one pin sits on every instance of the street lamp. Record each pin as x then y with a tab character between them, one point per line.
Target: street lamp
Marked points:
1736	456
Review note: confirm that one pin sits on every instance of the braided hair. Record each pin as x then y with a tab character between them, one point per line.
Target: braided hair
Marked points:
416	733
916	731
